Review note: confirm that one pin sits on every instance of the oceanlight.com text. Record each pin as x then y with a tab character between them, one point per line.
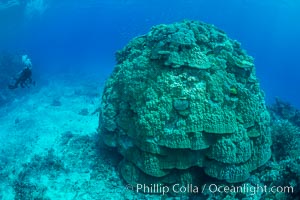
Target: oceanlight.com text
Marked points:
207	188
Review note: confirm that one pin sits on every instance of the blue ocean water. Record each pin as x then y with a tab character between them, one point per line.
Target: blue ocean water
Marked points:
63	36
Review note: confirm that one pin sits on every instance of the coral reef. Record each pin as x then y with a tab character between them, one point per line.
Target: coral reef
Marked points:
286	137
283	169
181	99
75	170
285	110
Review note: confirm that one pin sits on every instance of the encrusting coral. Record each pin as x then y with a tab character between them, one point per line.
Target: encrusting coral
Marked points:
181	97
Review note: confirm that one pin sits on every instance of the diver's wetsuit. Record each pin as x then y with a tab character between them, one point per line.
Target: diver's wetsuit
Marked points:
23	80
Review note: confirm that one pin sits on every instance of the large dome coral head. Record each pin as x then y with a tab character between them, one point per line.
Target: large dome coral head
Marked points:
181	97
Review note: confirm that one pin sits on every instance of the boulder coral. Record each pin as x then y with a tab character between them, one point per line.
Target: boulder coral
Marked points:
181	100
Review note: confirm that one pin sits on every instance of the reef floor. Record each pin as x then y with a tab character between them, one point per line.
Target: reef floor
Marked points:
50	148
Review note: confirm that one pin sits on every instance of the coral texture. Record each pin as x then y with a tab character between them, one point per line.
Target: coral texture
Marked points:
181	97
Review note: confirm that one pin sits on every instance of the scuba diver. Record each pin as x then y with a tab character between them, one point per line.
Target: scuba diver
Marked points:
24	77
